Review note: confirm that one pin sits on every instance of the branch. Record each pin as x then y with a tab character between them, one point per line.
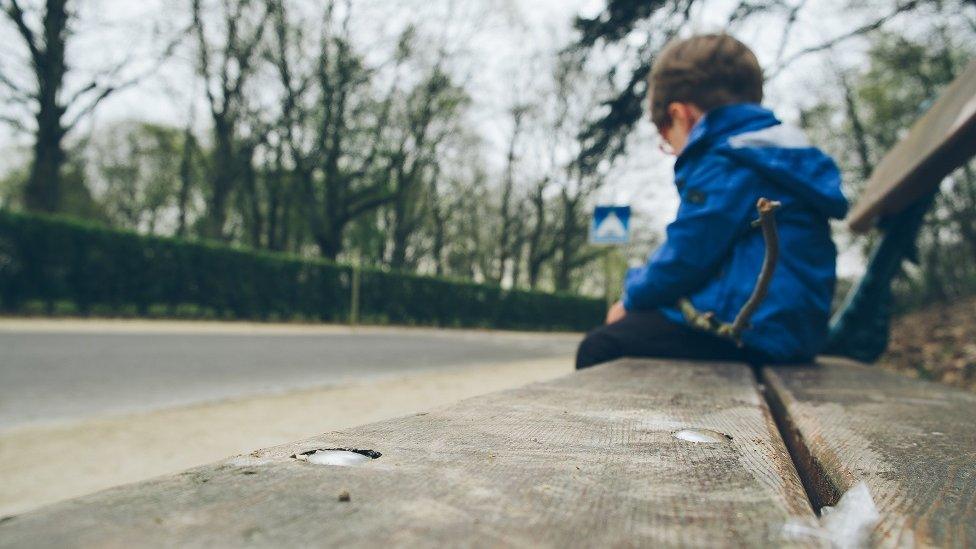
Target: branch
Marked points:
585	258
706	320
12	86
874	25
107	90
88	109
381	124
748	8
367	204
16	14
203	56
784	38
111	74
18	95
16	124
245	58
767	221
231	18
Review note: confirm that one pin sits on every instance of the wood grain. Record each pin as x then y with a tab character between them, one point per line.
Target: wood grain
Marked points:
938	143
912	442
585	460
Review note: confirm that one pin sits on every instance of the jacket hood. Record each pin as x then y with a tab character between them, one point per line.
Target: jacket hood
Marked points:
753	136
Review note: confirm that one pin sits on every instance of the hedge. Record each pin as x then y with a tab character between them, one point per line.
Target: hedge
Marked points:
56	261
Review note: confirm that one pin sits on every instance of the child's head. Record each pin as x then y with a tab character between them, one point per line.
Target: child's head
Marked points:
695	75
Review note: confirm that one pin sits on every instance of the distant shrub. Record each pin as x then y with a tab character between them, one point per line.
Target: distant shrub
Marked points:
70	265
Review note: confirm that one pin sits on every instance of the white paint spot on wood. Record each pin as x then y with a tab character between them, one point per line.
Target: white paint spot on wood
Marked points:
706	436
342	458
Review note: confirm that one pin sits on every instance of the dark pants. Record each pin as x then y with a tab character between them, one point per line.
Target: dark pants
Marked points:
651	334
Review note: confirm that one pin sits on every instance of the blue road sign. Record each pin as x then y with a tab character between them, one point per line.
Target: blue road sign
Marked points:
611	225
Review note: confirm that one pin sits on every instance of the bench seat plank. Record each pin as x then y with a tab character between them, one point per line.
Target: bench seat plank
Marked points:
912	442
589	459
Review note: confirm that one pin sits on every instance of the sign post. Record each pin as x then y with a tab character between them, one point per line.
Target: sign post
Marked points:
354	290
610	226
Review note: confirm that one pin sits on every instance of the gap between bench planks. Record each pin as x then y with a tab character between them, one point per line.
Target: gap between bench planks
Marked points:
913	443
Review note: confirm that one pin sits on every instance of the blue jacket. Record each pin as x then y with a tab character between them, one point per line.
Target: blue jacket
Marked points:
712	255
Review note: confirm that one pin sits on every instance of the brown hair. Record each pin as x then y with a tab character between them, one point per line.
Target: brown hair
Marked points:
709	71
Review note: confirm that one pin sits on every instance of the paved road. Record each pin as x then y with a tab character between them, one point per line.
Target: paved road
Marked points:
63	373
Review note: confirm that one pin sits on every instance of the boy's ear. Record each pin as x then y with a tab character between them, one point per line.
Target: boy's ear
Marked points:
687	113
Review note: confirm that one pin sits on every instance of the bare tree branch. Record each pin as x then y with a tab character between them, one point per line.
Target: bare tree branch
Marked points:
748	8
787	29
203	56
104	91
16	14
863	29
13	87
15	123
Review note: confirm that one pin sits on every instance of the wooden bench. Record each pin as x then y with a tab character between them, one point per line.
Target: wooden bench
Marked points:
590	459
632	453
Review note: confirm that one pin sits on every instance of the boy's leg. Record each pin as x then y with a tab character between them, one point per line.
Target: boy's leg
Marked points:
651	334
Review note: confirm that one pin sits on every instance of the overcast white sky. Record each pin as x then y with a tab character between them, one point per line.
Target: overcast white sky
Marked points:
497	40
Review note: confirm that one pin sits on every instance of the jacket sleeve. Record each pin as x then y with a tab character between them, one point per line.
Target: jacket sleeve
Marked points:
718	202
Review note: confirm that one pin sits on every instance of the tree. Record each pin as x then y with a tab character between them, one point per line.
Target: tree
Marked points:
137	170
572	98
903	76
657	22
55	110
332	126
429	118
47	47
510	212
226	61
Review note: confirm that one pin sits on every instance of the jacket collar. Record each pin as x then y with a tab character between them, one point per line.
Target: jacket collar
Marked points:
722	123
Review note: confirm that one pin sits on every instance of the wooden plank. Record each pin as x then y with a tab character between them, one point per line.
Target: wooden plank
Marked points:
938	143
586	460
913	443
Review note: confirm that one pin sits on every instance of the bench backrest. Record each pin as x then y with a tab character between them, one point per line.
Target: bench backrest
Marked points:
939	142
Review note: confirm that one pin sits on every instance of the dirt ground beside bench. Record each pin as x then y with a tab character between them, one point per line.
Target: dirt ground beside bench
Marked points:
937	343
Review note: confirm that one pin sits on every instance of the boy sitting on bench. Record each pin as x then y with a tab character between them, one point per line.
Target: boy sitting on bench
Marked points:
705	95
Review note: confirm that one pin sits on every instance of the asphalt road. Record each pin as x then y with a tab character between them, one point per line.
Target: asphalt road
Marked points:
65	374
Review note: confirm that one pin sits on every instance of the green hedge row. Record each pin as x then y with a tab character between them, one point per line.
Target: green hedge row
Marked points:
54	261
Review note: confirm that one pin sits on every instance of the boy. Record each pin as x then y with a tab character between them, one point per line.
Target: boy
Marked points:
705	95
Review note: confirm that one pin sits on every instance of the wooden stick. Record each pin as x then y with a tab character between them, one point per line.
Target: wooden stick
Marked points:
707	321
767	221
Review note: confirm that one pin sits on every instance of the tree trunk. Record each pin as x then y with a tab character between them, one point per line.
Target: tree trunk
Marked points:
223	177
562	267
43	191
186	180
857	129
538	254
504	247
439	220
401	226
330	243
